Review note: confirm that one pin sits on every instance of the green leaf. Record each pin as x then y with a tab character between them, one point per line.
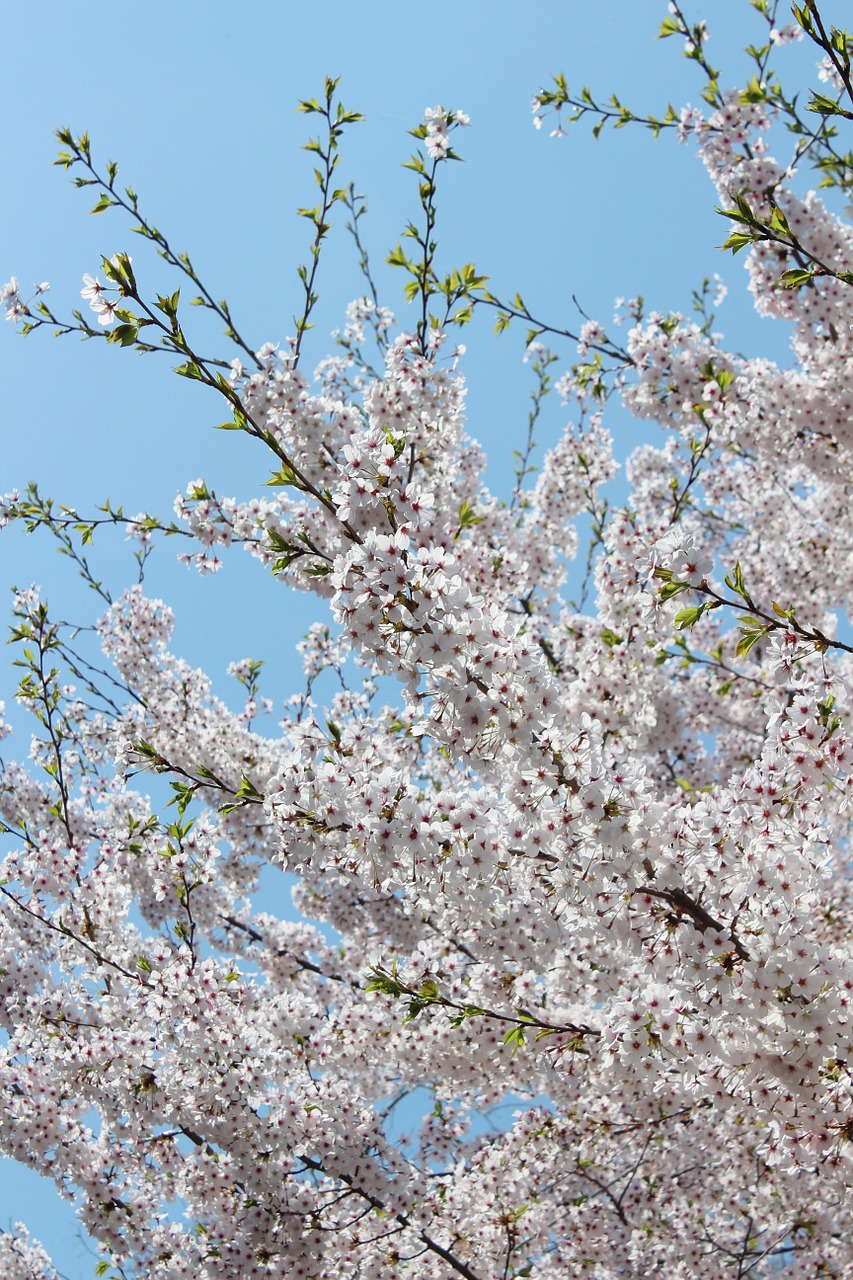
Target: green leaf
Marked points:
826	106
735	580
468	516
795	278
245	794
670	589
685	619
748	638
124	334
386	983
803	17
396	258
516	1037
611	638
281	479
778	222
190	370
755	91
737	240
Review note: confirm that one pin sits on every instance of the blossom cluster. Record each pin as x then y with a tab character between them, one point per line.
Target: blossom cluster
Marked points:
580	856
438	126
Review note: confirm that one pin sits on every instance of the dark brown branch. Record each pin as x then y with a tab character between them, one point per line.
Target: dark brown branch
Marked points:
703	920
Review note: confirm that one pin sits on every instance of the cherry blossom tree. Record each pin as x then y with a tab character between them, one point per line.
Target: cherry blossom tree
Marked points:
589	855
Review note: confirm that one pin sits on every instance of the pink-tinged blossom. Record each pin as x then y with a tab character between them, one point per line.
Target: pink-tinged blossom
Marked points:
22	1257
574	840
92	290
786	35
106	308
15	309
828	73
438	125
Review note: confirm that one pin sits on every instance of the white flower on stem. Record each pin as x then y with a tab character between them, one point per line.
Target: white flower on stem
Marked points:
828	72
92	289
106	310
437	141
786	35
591	334
437	145
16	308
783	651
689	565
677	552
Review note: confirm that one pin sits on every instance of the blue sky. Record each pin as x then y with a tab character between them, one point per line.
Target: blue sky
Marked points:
196	102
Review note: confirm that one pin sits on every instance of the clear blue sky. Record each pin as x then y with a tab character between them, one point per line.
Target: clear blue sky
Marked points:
196	102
